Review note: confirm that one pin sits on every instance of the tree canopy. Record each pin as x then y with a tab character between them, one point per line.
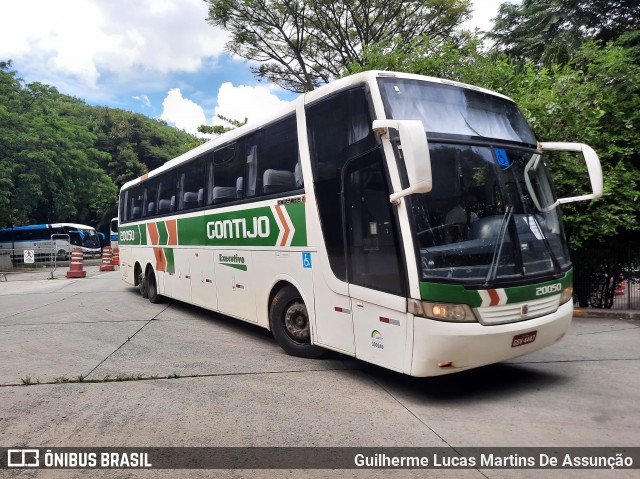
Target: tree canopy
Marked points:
63	160
549	31
302	44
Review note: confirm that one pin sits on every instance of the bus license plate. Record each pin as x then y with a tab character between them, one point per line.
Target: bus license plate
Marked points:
524	338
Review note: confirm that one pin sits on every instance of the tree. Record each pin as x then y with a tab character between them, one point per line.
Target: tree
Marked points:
63	160
549	31
302	44
220	129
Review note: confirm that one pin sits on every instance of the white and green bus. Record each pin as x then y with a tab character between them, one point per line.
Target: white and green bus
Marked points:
404	220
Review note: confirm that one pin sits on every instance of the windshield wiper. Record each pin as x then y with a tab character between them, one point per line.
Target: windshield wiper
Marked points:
530	214
493	267
545	241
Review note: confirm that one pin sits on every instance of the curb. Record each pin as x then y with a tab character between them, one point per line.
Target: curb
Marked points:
606	313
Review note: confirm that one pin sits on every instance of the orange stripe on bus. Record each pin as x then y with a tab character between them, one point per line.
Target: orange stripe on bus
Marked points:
287	230
495	298
161	260
154	236
172	229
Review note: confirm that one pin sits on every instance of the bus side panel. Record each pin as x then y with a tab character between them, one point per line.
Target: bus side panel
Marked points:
203	279
126	265
380	325
271	267
180	278
234	270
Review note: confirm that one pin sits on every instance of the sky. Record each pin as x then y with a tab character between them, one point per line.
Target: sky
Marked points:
156	57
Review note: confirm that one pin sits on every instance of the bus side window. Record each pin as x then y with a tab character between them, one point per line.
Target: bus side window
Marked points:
150	197
191	184
136	197
228	173
124	206
209	179
167	193
278	157
339	130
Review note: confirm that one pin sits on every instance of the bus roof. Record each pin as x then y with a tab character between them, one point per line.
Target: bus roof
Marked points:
309	97
46	226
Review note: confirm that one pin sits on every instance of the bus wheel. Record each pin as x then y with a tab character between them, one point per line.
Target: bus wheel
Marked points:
289	321
142	285
152	288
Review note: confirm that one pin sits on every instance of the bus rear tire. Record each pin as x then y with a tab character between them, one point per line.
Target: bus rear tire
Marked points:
289	322
142	283
152	288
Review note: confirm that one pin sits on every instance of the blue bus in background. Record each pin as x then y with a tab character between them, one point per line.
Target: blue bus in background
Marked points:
46	239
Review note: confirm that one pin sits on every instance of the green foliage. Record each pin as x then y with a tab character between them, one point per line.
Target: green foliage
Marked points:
302	44
63	160
550	31
219	129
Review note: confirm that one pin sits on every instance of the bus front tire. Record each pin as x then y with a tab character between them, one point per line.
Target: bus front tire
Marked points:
289	321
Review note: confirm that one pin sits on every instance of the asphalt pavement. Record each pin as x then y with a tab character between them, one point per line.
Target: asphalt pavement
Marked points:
88	362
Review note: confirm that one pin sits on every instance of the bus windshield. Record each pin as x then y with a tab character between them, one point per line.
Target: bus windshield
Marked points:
87	238
489	218
451	110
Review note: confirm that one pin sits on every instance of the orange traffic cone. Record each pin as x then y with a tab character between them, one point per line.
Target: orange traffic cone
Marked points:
75	269
107	264
116	256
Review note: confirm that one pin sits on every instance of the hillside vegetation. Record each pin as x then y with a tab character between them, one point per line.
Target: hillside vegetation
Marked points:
63	160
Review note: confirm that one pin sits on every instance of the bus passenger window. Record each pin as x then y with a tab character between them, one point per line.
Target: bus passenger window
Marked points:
276	181
228	173
191	179
136	203
150	198
274	159
167	193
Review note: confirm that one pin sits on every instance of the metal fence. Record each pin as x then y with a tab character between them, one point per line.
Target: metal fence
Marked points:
35	258
42	262
607	277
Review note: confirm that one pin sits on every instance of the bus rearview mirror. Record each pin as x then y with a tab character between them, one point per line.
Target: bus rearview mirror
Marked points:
415	152
593	167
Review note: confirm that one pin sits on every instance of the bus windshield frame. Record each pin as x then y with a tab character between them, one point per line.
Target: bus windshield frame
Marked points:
478	225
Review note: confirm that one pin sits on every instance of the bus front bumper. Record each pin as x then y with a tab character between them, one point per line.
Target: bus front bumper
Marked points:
445	347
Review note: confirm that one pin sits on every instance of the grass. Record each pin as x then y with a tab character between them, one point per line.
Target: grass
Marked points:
30	381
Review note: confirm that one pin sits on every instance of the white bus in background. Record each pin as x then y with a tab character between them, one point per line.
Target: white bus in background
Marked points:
47	239
113	232
404	220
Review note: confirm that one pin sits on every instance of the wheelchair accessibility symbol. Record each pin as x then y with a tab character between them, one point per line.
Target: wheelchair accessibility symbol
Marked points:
306	260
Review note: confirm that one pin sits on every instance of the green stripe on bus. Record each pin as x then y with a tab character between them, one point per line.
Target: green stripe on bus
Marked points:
168	254
242	267
456	293
297	214
163	234
142	234
449	293
519	294
249	227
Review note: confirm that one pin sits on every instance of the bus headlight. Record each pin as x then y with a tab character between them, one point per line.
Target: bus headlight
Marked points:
442	311
567	294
